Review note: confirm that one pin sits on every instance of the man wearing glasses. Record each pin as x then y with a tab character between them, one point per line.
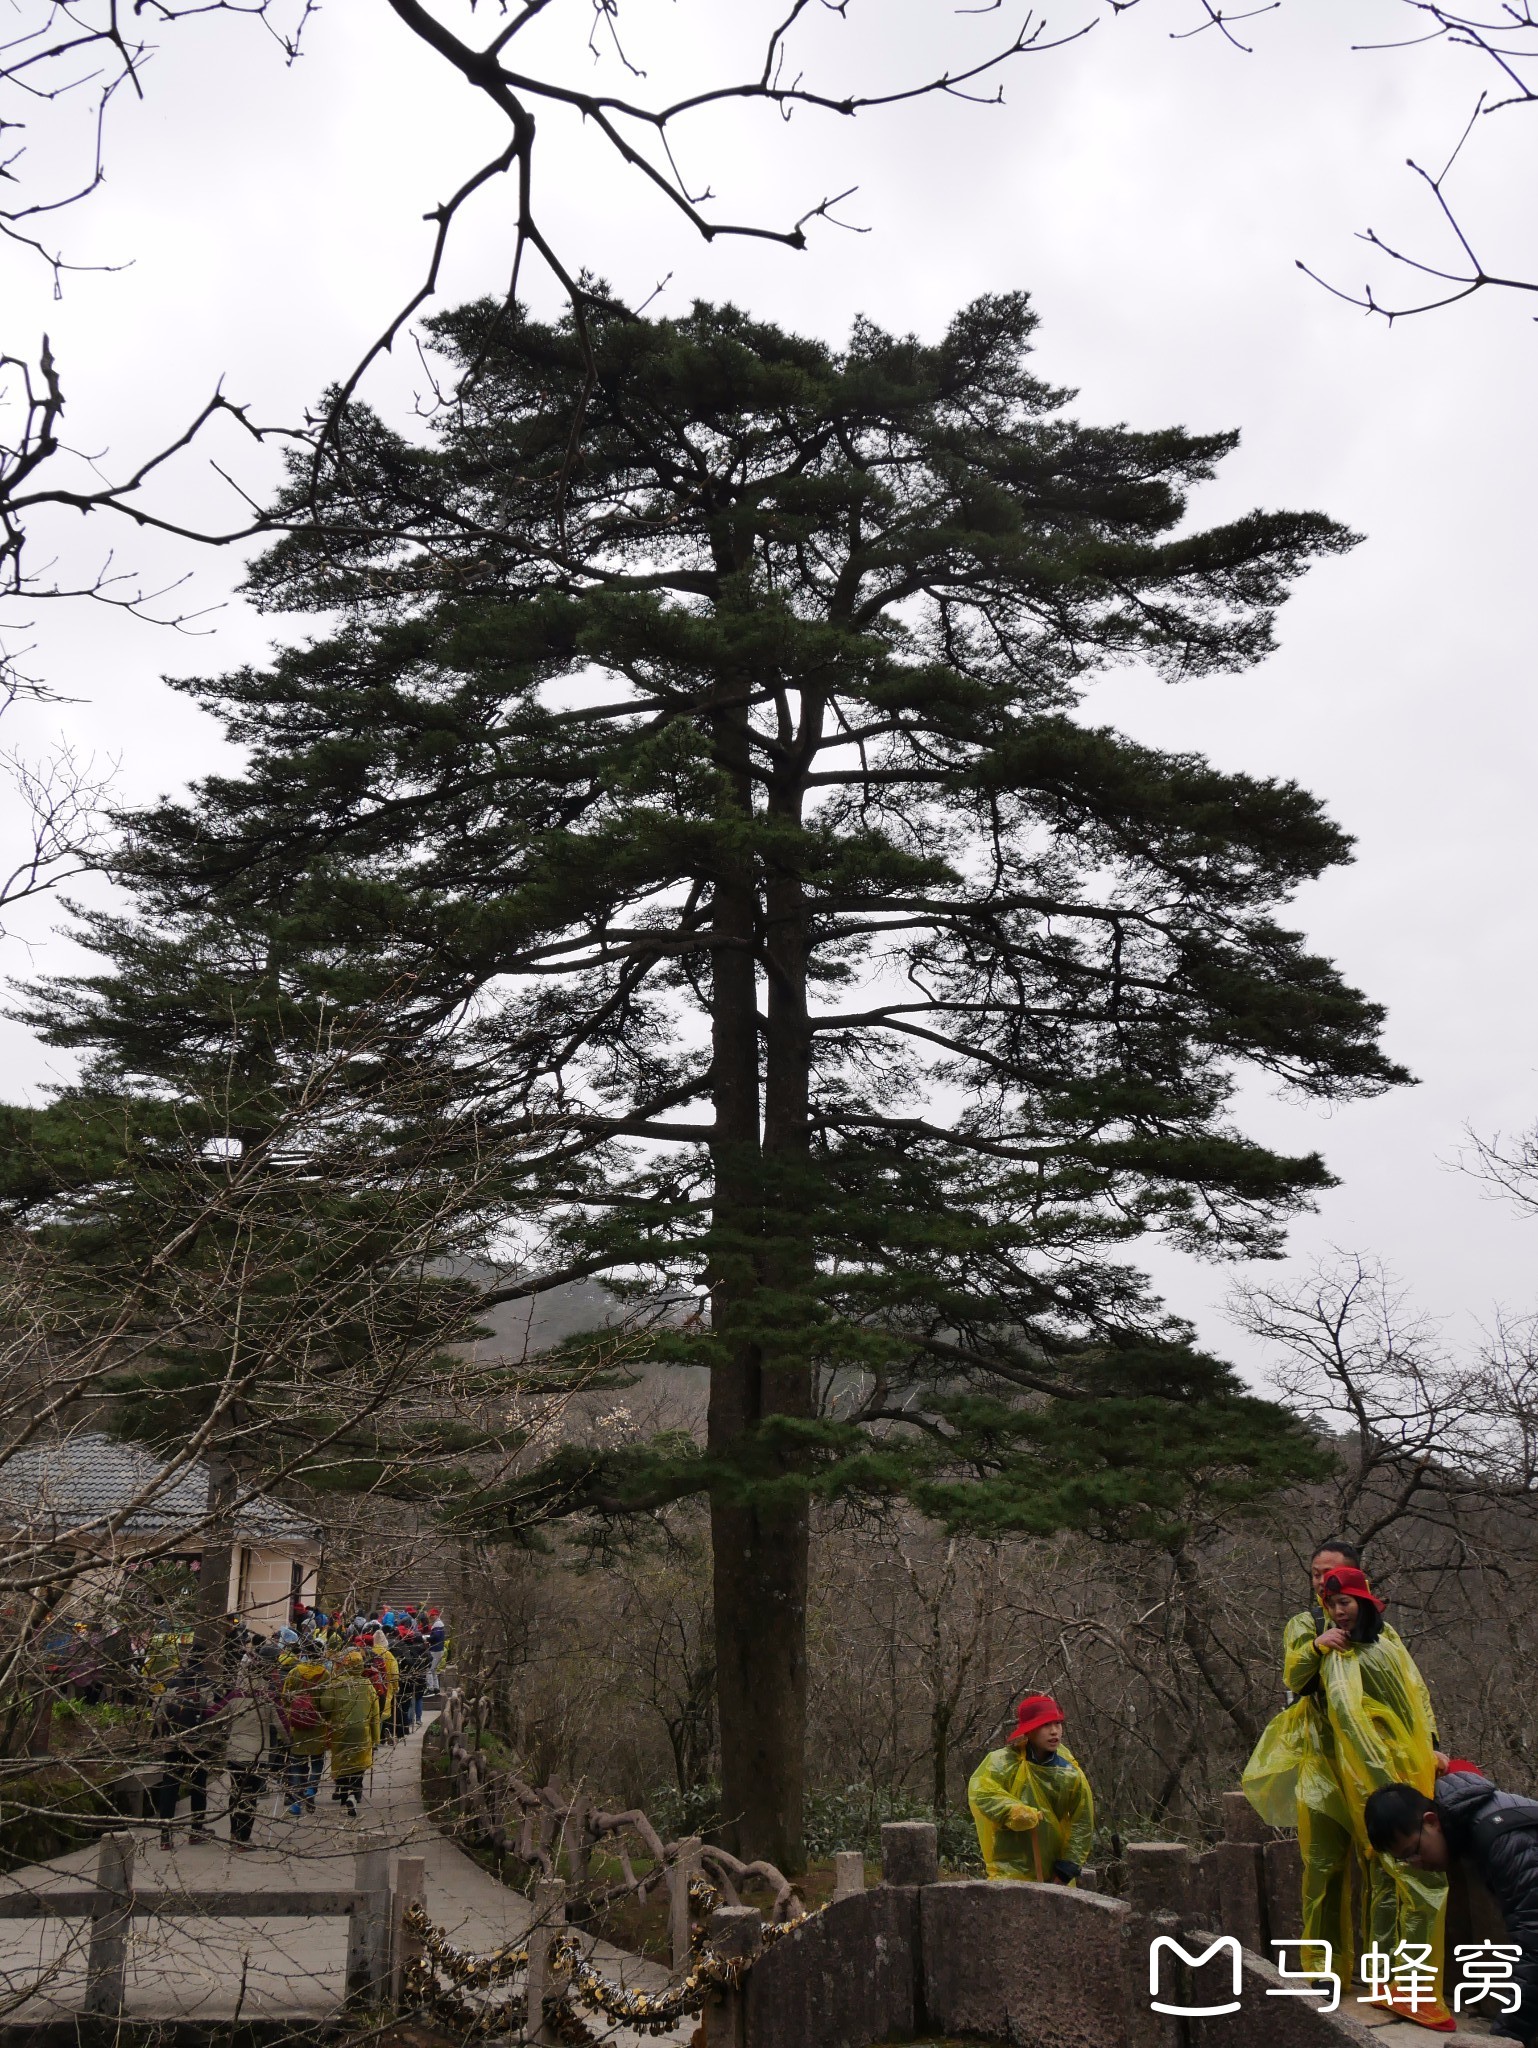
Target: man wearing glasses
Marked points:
1496	1834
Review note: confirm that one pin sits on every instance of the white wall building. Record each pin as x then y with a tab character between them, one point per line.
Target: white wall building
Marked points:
125	1506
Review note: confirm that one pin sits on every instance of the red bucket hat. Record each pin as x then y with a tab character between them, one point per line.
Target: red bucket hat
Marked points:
1037	1710
1347	1579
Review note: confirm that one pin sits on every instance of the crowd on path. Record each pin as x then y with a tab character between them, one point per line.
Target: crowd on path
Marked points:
273	1710
1353	1763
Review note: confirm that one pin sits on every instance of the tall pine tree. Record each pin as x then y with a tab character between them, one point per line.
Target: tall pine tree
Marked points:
691	734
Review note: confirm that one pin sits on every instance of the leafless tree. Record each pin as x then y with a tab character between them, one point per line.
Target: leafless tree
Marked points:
64	65
57	803
82	58
1503	40
1507	1166
73	63
1430	1432
1350	1352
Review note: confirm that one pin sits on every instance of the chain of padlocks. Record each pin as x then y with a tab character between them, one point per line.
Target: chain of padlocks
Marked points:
1403	1979
577	1981
441	1958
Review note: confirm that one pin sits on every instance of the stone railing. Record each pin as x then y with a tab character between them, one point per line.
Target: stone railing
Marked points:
916	1957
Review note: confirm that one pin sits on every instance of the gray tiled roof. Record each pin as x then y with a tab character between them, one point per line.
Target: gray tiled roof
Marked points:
86	1477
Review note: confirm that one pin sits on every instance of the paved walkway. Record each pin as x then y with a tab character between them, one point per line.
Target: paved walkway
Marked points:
1392	2033
221	1969
292	1969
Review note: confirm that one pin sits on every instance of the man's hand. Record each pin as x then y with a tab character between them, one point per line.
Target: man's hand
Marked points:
1024	1817
1441	1762
1333	1639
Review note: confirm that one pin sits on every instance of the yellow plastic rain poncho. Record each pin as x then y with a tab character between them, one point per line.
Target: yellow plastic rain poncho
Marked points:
1365	1720
392	1671
305	1682
164	1654
351	1707
1008	1784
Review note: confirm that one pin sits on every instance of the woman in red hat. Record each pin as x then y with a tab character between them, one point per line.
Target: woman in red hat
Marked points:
1364	1721
1034	1810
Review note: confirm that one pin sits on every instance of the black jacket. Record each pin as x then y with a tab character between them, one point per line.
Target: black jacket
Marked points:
413	1657
1497	1833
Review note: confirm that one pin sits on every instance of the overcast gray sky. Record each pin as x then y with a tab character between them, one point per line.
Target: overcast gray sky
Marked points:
1152	195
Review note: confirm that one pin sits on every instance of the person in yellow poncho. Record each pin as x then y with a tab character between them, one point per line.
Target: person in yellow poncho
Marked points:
1034	1811
1362	1719
306	1734
392	1672
351	1707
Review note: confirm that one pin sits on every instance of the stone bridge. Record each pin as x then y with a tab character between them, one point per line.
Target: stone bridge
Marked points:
1038	1966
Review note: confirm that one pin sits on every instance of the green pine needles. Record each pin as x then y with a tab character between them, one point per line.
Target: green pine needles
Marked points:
691	737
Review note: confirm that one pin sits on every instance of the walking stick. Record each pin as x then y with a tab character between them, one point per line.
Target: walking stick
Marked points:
1021	1778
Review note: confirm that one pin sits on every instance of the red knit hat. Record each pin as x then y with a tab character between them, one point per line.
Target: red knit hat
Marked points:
1347	1579
1037	1710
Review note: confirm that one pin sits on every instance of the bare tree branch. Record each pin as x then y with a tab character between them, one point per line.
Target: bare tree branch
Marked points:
1505	39
62	800
1508	1168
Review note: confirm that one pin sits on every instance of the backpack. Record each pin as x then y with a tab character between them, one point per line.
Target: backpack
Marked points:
300	1714
378	1678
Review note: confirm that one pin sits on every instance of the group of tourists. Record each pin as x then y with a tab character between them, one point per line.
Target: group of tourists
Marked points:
408	1644
276	1709
1353	1763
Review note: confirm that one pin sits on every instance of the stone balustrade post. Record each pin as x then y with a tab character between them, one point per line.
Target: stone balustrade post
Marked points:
910	1852
1241	1823
548	1924
107	1959
1158	1877
574	1838
1241	1891
685	1866
1284	1888
368	1924
848	1873
733	1931
405	1942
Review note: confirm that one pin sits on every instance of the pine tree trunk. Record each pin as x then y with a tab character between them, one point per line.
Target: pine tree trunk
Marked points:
759	1549
760	1600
